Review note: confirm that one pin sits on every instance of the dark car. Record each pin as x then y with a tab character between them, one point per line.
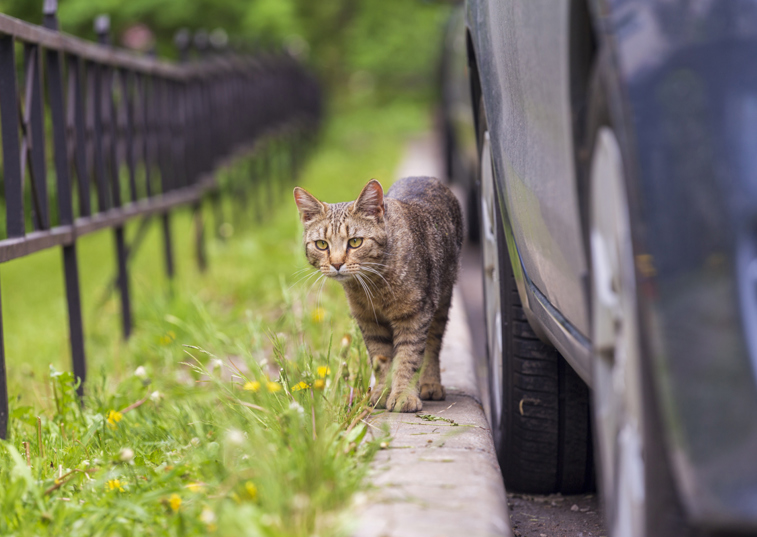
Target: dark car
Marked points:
615	180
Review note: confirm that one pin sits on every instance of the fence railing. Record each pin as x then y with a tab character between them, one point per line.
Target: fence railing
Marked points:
125	136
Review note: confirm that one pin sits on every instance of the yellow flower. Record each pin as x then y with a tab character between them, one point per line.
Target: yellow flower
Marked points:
318	315
273	387
115	484
251	489
113	418
168	338
252	386
174	501
323	371
300	386
195	487
319	384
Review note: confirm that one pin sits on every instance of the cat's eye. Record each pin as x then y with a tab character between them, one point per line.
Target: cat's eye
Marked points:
322	245
355	242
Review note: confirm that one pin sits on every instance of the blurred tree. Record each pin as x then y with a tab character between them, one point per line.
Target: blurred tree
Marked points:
377	47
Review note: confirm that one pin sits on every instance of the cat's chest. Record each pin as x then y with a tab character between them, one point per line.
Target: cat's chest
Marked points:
376	296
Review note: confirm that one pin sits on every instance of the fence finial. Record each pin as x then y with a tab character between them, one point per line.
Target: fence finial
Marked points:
182	40
219	39
201	41
50	14
102	29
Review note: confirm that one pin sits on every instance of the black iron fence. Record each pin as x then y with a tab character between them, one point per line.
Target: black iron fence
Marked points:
125	136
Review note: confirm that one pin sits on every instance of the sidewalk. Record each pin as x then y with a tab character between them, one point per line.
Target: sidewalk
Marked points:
439	476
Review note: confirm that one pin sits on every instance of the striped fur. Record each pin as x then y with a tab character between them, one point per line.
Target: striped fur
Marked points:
398	281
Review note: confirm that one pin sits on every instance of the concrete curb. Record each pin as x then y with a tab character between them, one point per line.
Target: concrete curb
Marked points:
440	476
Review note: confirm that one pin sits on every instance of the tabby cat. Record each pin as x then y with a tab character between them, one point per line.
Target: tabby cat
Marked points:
397	258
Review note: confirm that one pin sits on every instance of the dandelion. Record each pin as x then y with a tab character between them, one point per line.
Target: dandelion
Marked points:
114	417
319	384
251	490
235	437
195	487
251	386
168	338
175	502
208	517
115	484
318	315
273	387
300	386
140	372
346	340
126	455
323	371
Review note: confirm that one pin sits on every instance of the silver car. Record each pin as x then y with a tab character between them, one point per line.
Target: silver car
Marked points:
613	179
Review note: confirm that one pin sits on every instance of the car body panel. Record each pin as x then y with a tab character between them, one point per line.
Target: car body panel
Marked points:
524	77
684	98
687	75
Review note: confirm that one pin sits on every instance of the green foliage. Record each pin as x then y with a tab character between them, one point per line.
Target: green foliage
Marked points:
180	433
389	47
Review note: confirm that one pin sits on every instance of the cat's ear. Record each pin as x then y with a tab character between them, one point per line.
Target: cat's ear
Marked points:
308	205
370	202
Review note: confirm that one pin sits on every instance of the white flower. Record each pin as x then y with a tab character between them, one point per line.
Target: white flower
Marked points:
207	516
127	455
215	362
195	441
156	396
235	437
297	407
140	372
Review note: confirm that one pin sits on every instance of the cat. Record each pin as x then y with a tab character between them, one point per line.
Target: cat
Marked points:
397	258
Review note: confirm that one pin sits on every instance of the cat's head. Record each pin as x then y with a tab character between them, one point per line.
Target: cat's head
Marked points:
344	239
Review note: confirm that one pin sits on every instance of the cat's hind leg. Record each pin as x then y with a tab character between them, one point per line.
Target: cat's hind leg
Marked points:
431	378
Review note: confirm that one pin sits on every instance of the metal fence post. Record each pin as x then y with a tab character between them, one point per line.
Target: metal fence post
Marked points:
200	42
102	28
13	188
65	204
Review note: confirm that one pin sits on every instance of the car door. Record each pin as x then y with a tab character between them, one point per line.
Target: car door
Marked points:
522	47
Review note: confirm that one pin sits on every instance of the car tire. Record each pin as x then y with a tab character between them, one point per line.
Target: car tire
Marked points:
635	478
539	407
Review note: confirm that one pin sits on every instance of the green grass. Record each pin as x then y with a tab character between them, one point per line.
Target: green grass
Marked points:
198	452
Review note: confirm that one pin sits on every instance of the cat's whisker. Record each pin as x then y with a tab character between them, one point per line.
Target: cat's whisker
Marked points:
369	281
377	273
301	270
303	279
310	289
320	293
367	294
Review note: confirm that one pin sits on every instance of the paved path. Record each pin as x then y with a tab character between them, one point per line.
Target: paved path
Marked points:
439	476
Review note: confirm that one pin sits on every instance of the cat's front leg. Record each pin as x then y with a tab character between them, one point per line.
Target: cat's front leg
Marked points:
378	341
410	337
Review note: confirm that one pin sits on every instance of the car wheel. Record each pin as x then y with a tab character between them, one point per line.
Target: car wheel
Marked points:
539	407
635	480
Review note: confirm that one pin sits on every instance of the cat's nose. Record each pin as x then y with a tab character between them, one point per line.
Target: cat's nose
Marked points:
337	265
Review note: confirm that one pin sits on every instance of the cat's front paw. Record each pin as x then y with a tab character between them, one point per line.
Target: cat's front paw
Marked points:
403	402
433	391
378	396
